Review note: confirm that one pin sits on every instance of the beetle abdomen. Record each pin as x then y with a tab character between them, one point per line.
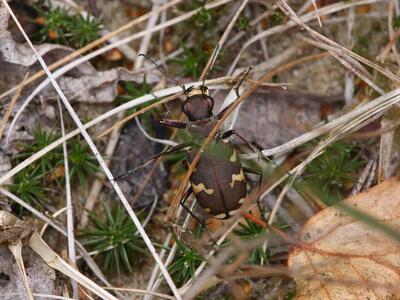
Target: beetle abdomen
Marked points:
218	180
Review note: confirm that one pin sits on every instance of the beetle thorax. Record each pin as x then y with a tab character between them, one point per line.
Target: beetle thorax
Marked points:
201	129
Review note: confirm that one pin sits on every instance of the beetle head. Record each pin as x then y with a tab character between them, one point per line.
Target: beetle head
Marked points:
198	104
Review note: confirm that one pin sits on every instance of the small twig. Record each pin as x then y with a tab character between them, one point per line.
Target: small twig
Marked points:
239	35
316	12
361	179
371	176
55	215
382	56
16	250
11	106
69	205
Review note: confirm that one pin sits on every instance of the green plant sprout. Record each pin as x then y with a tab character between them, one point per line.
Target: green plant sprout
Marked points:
116	239
249	231
132	92
58	26
185	263
54	25
83	30
362	45
276	18
83	164
41	139
204	19
192	61
27	185
333	170
243	23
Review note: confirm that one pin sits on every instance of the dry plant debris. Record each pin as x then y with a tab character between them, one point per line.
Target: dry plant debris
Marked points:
341	257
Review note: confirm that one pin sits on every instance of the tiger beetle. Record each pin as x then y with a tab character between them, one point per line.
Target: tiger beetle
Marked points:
218	181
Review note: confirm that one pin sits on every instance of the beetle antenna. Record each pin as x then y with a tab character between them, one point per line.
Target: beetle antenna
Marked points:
210	64
165	72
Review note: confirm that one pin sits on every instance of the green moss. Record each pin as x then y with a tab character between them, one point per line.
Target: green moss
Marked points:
116	239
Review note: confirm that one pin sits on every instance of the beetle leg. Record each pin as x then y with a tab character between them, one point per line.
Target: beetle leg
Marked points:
173	149
229	133
186	195
173	123
260	180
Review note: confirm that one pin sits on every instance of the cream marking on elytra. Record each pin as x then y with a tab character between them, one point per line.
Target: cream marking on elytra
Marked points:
225	141
234	212
197	188
207	209
220	216
241	201
233	156
237	177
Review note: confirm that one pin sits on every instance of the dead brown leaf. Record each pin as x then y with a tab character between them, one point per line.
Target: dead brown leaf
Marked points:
343	257
13	229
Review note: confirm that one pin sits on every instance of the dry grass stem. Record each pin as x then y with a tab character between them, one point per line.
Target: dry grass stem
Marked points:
11	106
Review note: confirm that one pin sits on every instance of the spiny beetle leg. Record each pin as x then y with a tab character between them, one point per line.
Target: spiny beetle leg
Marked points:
173	149
260	180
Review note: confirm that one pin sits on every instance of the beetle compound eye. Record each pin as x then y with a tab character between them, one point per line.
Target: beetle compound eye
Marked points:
210	102
187	108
